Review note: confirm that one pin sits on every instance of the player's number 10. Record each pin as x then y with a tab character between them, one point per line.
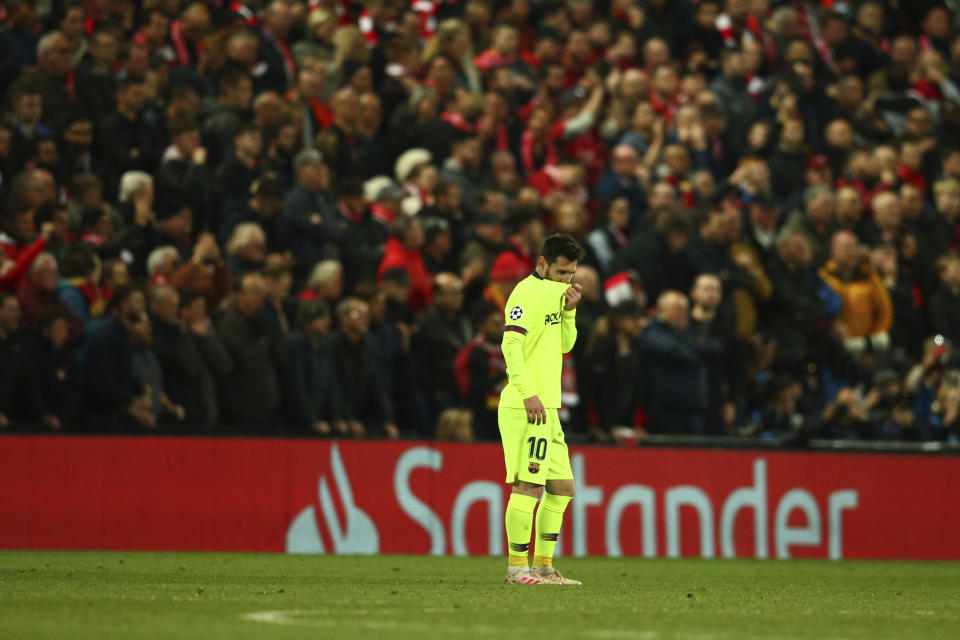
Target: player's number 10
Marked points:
538	448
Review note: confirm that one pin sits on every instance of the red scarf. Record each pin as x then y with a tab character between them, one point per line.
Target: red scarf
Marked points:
666	109
349	215
368	29
244	12
457	120
427	10
289	66
381	213
180	44
489	59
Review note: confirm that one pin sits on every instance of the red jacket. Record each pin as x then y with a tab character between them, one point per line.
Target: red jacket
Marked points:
23	257
411	260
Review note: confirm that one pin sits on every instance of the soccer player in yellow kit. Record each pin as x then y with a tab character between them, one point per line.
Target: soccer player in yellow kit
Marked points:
540	319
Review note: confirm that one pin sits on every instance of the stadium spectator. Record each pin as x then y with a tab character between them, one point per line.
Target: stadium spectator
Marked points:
403	250
59	381
615	369
308	214
945	302
674	383
365	398
481	371
441	331
659	255
80	288
19	393
714	338
867	313
113	399
250	394
816	221
312	394
147	371
200	399
175	352
38	292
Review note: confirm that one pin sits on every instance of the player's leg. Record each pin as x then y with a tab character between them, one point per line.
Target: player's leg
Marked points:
518	519
559	492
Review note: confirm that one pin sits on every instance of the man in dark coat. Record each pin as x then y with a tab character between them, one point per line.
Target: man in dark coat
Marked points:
188	379
19	392
659	256
945	303
442	330
365	398
675	377
106	362
614	369
309	214
312	395
250	395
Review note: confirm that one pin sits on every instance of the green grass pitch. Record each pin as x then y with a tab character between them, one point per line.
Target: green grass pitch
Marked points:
212	596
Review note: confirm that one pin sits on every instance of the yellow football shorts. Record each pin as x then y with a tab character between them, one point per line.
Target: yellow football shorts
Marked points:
533	453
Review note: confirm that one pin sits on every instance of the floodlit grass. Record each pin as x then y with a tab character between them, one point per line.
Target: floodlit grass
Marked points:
213	596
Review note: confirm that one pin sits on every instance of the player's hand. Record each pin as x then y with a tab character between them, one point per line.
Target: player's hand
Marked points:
572	295
536	413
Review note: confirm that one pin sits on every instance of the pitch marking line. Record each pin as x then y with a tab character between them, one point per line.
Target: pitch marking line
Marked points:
322	618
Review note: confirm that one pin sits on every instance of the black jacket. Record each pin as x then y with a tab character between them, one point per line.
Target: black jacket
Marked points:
311	386
60	384
436	341
365	396
107	366
251	393
190	365
674	381
19	388
945	313
647	254
613	382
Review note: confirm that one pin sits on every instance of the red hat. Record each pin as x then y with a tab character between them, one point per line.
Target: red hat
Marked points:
509	266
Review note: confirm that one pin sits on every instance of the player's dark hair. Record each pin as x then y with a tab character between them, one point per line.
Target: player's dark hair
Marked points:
561	244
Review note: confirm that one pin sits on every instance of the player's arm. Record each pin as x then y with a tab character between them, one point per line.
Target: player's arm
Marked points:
568	317
514	333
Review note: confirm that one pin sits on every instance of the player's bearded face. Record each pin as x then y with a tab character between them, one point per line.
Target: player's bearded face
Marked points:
560	270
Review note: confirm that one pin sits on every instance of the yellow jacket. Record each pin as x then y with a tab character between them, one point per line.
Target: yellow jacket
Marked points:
867	308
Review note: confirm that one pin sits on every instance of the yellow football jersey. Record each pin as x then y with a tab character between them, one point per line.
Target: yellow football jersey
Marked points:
537	332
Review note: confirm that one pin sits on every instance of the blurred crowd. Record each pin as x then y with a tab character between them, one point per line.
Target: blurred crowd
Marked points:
306	217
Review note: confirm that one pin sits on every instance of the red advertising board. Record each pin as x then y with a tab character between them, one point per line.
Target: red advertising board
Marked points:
323	496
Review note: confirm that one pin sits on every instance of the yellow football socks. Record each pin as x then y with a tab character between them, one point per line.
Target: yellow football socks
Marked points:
549	520
519	522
